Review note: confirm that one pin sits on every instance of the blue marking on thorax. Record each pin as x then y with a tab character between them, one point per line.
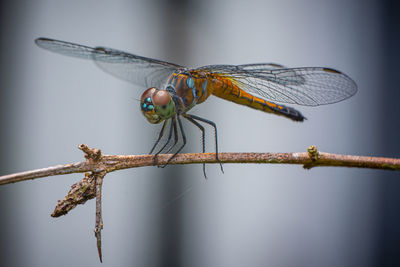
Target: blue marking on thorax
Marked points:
190	82
204	87
174	81
172	84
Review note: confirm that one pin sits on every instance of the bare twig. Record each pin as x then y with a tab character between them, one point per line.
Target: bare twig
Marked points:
97	166
99	218
111	163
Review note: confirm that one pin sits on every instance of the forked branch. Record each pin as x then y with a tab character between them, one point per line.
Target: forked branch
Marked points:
97	162
97	166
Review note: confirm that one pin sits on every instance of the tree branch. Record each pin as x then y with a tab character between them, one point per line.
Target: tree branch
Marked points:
97	166
110	163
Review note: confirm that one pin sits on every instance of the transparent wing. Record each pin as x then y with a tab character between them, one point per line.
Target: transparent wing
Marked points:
309	86
261	66
139	70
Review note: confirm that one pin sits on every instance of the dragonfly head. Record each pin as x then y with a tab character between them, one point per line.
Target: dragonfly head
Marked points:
157	105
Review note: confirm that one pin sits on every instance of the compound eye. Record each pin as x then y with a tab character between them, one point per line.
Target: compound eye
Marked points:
146	103
147	106
163	104
148	94
161	98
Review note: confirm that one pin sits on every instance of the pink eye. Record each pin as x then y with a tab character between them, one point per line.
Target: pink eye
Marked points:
161	98
148	93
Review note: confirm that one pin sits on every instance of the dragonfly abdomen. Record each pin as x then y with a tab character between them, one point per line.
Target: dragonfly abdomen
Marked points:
224	88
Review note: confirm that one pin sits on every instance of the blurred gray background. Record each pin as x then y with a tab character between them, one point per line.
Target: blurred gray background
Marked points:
253	215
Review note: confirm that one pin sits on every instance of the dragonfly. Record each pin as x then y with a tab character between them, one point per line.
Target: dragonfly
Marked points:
173	90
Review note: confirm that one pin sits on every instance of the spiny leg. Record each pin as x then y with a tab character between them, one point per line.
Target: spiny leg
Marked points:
183	138
175	135
216	135
169	138
172	127
189	118
167	142
159	136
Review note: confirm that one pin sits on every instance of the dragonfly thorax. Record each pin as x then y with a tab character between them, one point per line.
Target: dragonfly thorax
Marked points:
157	105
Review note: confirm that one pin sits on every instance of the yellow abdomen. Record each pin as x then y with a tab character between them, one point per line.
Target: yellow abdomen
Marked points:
224	88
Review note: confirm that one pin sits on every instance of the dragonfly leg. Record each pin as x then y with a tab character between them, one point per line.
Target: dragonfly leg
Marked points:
175	135
166	143
215	134
189	118
176	138
159	136
168	140
183	138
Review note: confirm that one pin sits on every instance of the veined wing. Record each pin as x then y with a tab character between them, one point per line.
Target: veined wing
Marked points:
261	66
309	86
139	70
